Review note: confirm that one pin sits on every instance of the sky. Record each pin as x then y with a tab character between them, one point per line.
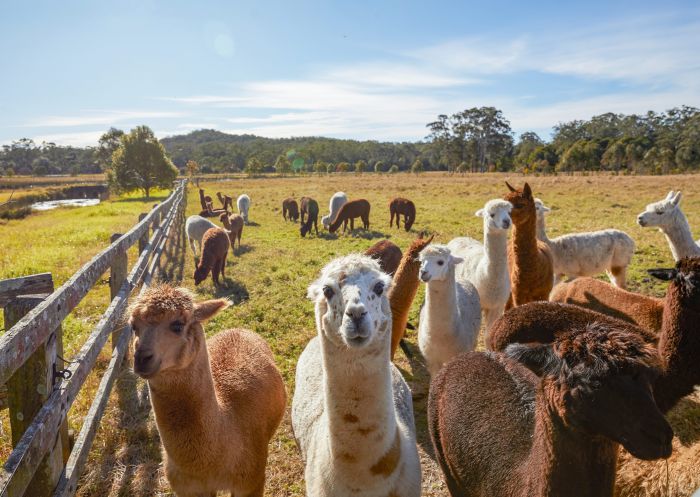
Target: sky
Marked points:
358	69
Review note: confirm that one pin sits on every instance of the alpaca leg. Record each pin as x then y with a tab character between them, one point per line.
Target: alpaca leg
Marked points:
192	245
223	266
352	224
316	225
391	221
618	276
215	272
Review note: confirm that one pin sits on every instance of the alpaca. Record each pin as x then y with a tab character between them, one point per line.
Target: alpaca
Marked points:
485	266
403	290
668	216
348	212
399	206
530	260
217	402
204	199
215	243
234	228
337	200
451	315
290	208
243	203
587	254
209	211
642	310
499	430
225	200
310	207
352	412
195	227
387	254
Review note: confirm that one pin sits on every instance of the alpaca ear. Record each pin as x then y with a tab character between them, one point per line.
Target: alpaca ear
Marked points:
663	274
480	213
527	192
209	308
510	187
538	358
456	260
676	198
670	195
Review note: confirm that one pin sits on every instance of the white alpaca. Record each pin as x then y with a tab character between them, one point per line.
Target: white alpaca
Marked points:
352	412
451	315
195	227
337	201
668	216
587	254
486	266
243	203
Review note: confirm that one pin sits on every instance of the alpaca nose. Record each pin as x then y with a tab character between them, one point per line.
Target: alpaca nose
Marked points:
143	359
640	220
356	315
424	276
506	224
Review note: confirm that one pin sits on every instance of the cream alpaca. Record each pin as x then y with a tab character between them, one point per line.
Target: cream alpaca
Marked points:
336	202
243	203
195	227
352	411
587	254
451	315
669	218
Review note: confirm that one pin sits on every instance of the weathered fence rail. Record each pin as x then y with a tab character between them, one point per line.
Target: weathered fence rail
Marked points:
33	465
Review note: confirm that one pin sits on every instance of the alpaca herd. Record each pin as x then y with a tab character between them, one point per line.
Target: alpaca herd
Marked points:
572	371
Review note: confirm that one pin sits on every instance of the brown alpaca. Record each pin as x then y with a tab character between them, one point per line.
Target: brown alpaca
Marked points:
499	430
234	226
215	243
225	200
217	403
388	254
530	261
402	206
204	199
309	207
600	296
290	208
348	212
209	211
403	290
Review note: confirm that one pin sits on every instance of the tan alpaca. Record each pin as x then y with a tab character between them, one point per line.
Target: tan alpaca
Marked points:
217	403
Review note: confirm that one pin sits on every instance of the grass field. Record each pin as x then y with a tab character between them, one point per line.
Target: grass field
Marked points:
268	276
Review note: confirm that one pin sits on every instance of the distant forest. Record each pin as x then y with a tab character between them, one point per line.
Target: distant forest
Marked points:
476	140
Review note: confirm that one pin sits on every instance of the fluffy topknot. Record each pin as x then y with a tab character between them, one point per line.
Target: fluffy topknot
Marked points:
161	300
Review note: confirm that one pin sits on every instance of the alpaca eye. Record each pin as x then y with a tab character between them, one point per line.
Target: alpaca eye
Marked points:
440	263
658	213
493	215
328	292
177	326
378	288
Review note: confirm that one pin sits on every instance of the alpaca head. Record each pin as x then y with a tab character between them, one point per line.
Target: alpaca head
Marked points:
436	261
496	214
540	208
225	221
598	380
523	204
168	328
352	308
684	278
326	221
661	213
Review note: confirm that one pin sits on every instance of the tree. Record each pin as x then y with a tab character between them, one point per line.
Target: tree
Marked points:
360	166
140	163
417	166
320	167
529	141
107	145
282	165
394	169
379	167
342	167
254	167
192	168
40	166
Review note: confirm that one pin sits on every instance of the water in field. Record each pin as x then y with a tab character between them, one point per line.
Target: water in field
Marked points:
71	202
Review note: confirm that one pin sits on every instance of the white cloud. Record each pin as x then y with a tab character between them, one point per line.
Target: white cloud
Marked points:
77	139
105	118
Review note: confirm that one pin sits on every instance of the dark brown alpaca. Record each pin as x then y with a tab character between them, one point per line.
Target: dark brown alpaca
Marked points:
211	212
290	209
234	226
215	243
388	254
402	206
530	261
348	212
226	201
309	207
204	199
600	296
500	430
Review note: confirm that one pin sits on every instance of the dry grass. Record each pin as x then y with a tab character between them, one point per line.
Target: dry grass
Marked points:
268	277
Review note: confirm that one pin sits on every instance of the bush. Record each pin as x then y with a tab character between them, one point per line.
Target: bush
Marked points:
394	169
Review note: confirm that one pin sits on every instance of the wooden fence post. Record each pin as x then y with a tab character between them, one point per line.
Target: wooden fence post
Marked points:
117	276
143	241
28	389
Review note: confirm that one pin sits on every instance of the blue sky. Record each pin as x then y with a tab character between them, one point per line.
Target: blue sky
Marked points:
356	69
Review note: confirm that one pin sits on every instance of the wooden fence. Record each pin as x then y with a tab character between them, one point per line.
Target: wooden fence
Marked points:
40	388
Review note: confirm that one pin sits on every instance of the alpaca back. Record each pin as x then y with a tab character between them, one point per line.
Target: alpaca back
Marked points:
493	288
588	254
215	245
531	272
196	226
388	254
336	202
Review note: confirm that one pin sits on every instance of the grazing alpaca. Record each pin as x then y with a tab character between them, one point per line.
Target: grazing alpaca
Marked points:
402	206
195	227
348	212
642	310
668	216
499	430
204	200
352	411
309	207
290	208
337	200
215	243
530	260
486	266
587	254
403	290
217	403
451	315
243	203
234	226
226	201
387	254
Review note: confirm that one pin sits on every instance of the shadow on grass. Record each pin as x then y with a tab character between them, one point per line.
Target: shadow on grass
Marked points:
242	249
232	290
252	223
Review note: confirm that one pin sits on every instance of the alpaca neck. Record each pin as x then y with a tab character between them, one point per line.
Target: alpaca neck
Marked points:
359	406
542	230
441	306
525	240
679	237
401	294
495	251
679	348
565	461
